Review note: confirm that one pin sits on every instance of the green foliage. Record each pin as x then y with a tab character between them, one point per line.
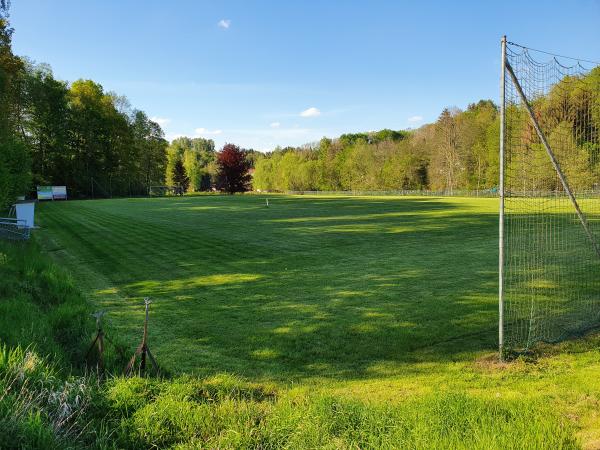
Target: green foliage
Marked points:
47	124
179	175
38	409
458	152
198	160
14	160
149	159
227	412
14	174
455	153
41	313
40	306
77	135
386	160
114	153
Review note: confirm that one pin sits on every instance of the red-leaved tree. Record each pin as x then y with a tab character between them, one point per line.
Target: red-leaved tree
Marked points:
233	169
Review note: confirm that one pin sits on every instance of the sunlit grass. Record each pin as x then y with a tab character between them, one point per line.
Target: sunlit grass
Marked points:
226	272
373	299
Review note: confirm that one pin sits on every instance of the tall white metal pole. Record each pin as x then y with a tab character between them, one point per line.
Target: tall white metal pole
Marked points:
501	188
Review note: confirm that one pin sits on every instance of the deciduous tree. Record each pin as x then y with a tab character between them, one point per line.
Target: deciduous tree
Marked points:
233	168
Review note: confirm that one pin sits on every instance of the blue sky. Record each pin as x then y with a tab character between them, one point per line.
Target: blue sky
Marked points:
267	73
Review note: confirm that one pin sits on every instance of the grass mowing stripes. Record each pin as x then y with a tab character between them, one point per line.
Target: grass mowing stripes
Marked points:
380	300
309	287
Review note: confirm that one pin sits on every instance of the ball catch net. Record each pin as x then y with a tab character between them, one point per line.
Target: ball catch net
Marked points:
550	226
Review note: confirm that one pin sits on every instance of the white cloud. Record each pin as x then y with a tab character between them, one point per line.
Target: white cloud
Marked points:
275	125
277	133
160	120
414	119
224	23
173	136
310	112
205	132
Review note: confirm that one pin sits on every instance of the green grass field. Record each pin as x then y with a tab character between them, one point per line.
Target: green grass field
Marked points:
334	288
375	299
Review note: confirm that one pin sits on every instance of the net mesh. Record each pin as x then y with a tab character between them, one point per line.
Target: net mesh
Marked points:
551	267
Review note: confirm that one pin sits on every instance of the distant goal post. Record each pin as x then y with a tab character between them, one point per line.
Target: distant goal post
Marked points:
162	191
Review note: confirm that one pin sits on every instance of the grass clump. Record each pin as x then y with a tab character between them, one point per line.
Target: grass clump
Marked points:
44	325
38	407
177	414
40	305
446	420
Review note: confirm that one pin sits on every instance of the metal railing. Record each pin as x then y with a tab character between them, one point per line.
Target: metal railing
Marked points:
14	229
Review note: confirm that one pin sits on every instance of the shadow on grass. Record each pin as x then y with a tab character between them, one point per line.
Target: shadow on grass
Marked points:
339	287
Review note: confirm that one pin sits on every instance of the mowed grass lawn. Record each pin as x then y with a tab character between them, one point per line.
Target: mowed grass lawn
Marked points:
336	287
378	298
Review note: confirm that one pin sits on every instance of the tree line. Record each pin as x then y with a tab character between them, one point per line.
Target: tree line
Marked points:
94	142
570	116
14	160
77	134
458	151
195	166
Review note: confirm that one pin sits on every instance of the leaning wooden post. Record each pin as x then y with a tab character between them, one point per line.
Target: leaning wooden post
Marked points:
145	336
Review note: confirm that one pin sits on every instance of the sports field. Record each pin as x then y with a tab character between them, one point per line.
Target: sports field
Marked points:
374	298
335	287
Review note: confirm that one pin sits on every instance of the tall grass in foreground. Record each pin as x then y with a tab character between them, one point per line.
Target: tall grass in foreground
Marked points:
44	325
38	410
40	305
224	412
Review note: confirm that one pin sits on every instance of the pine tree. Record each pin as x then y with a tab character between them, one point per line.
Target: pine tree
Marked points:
180	177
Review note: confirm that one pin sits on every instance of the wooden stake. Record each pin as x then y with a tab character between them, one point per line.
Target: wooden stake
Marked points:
143	350
99	340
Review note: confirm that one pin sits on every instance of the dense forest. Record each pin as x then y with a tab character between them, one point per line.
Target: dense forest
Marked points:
459	151
78	135
14	159
569	114
191	163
